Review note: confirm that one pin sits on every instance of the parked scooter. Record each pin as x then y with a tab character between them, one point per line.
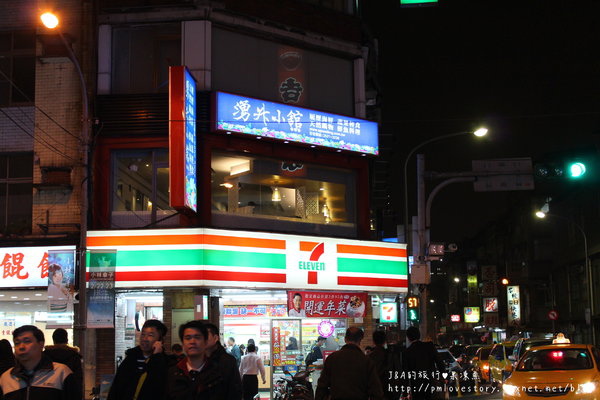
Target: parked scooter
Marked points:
296	387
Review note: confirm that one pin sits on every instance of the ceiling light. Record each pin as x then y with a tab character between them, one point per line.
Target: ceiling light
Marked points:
227	185
276	194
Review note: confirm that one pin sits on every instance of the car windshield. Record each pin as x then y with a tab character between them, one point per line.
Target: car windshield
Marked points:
529	345
555	359
485	354
446	357
471	350
509	350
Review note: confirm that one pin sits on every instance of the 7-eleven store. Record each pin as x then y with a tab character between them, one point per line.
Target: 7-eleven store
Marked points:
241	281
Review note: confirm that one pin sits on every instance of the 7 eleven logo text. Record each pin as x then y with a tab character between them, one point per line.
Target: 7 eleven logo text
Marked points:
312	265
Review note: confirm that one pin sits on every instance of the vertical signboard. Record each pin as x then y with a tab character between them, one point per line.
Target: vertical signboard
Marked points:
101	292
292	87
61	287
276	346
513	298
182	139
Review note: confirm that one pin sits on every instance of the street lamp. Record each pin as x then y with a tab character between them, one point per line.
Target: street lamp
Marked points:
543	213
51	21
478	133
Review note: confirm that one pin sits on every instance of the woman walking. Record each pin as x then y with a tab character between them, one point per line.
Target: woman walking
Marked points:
250	366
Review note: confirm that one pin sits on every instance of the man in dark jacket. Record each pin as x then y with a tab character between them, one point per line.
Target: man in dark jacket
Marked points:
348	374
35	376
208	372
388	362
62	353
141	375
422	365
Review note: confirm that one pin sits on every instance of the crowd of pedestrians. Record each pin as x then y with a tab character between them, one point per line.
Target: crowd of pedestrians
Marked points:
201	368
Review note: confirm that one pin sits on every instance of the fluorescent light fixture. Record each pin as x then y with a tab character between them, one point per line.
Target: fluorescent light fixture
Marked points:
276	194
240	168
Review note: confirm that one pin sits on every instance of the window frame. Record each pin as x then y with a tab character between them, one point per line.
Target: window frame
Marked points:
10	55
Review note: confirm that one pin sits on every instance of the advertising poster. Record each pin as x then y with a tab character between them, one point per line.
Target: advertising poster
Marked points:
101	289
276	347
61	288
326	304
292	86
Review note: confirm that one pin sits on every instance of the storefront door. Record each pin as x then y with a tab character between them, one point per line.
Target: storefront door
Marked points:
286	349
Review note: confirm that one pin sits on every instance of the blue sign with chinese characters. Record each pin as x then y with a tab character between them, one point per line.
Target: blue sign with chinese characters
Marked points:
285	122
190	141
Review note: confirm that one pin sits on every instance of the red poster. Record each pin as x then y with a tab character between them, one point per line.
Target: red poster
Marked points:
276	347
326	304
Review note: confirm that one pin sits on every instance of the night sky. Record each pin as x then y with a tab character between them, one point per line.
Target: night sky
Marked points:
528	70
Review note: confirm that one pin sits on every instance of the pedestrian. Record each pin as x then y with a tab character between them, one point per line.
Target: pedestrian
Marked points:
422	364
250	367
176	354
242	349
292	343
234	350
388	362
7	357
63	353
348	373
35	376
208	372
142	373
315	352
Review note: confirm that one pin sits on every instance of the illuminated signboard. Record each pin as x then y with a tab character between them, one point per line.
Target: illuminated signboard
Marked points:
490	304
455	318
28	266
472	314
513	298
295	124
388	313
182	139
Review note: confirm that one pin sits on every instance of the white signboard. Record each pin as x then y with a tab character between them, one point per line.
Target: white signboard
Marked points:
514	305
26	266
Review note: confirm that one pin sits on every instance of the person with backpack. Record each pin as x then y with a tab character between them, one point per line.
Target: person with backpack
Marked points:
315	353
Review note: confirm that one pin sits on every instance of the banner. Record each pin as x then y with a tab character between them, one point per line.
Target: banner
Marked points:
255	311
513	298
61	288
326	304
101	289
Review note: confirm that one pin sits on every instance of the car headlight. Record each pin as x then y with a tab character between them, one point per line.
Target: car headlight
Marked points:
510	390
586	388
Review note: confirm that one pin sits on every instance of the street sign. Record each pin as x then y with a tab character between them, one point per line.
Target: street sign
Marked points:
553	315
503	174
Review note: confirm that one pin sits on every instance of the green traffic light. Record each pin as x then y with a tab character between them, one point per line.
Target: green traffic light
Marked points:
576	170
413	314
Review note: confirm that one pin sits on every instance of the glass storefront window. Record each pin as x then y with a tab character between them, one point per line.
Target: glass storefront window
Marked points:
141	189
281	195
25	307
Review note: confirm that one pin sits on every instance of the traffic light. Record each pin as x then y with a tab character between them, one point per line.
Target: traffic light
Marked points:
574	169
413	305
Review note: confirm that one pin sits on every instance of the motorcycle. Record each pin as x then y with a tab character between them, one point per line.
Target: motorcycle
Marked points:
296	387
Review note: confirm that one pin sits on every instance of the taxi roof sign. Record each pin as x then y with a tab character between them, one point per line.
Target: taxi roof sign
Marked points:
560	338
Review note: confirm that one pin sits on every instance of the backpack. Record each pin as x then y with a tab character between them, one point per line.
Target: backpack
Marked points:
310	358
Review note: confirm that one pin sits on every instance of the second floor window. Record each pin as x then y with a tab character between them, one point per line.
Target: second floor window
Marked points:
17	68
142	56
16	193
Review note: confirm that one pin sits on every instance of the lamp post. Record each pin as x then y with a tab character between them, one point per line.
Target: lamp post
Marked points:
51	21
543	213
479	133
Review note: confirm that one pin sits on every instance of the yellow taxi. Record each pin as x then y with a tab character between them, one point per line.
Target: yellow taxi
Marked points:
563	370
481	364
500	364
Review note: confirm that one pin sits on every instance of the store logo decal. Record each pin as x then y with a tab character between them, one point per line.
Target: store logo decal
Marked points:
313	264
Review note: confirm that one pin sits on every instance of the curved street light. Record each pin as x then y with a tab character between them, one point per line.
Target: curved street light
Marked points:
51	21
478	133
543	213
